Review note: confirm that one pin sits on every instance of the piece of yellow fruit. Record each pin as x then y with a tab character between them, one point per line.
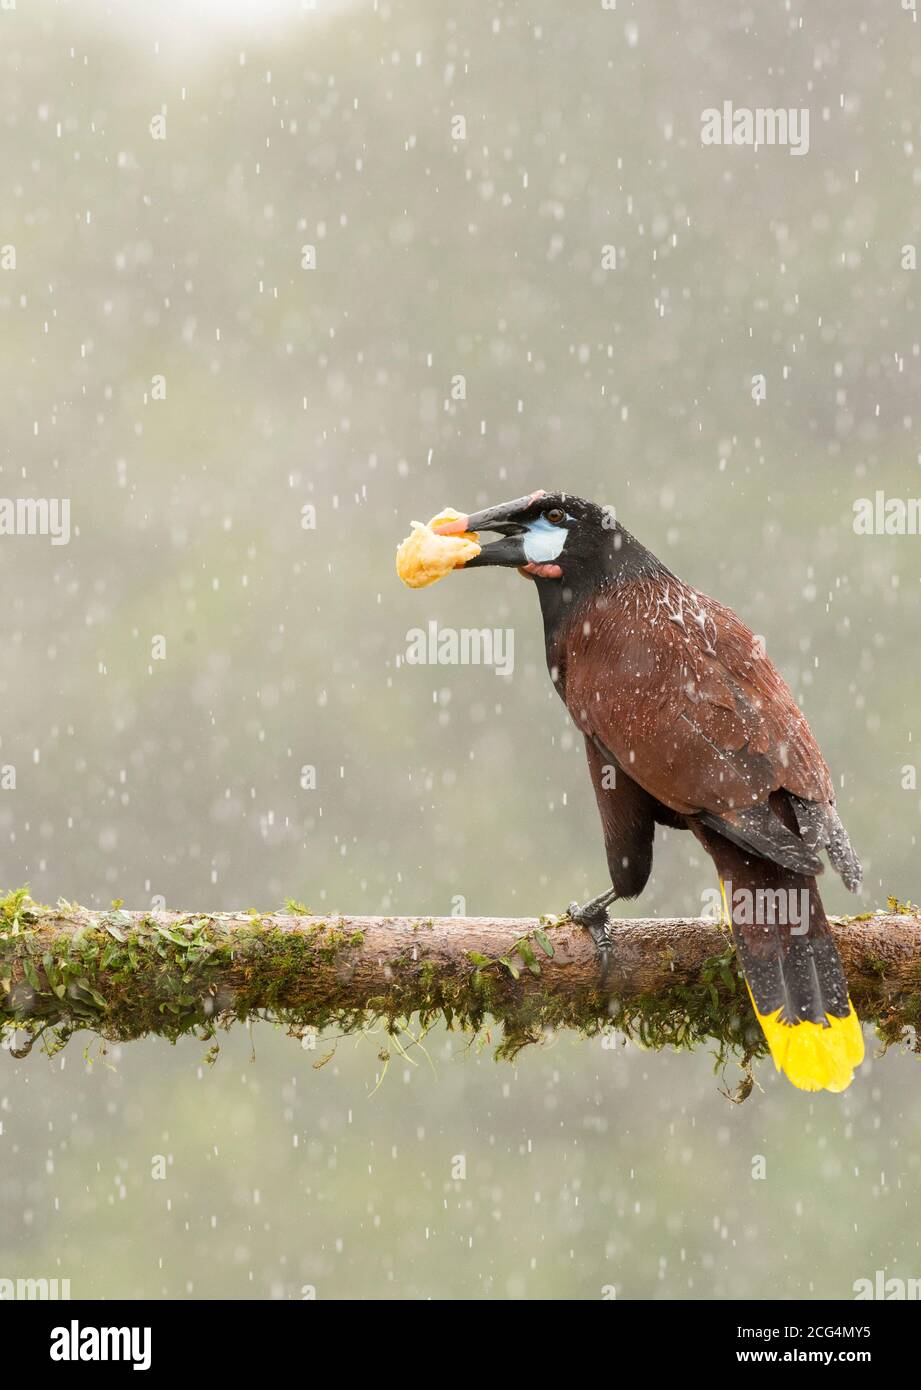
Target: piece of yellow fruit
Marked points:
425	557
448	514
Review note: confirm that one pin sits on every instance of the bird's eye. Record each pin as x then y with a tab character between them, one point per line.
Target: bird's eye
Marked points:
555	515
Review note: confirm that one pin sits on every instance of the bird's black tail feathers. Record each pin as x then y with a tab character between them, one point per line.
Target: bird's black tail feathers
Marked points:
792	967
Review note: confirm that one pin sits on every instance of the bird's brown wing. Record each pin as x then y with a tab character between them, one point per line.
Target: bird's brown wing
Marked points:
683	696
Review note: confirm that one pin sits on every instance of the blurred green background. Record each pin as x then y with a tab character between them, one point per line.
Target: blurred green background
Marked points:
588	1170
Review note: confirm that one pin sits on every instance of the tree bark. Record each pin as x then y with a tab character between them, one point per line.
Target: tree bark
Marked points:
671	981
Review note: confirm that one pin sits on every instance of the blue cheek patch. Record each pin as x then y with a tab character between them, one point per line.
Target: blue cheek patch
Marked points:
544	541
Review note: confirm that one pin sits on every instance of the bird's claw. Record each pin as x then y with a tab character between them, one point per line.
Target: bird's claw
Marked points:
595	920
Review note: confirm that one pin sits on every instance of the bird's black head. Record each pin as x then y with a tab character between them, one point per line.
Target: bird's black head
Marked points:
571	548
551	537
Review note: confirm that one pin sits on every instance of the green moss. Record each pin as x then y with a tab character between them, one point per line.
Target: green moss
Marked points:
900	1021
124	976
714	1008
16	906
427	976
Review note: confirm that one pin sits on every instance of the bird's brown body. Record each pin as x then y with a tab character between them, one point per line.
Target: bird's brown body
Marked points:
689	699
688	723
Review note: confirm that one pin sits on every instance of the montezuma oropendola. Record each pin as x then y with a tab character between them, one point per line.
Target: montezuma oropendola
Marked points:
687	723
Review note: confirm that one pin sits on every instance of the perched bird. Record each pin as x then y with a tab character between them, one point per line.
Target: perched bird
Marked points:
687	723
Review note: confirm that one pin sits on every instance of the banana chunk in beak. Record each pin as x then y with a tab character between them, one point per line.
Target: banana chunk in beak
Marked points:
426	556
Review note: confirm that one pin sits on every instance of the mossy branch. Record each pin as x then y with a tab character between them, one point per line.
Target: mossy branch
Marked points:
125	975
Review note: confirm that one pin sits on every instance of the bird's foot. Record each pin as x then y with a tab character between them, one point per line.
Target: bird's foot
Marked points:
593	916
595	910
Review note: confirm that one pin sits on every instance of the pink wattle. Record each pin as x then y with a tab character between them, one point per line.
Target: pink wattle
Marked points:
545	571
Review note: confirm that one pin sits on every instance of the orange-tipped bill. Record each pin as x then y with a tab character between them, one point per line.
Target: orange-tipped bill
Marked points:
450	523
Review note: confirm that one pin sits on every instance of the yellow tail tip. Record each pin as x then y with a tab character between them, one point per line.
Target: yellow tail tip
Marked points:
815	1057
